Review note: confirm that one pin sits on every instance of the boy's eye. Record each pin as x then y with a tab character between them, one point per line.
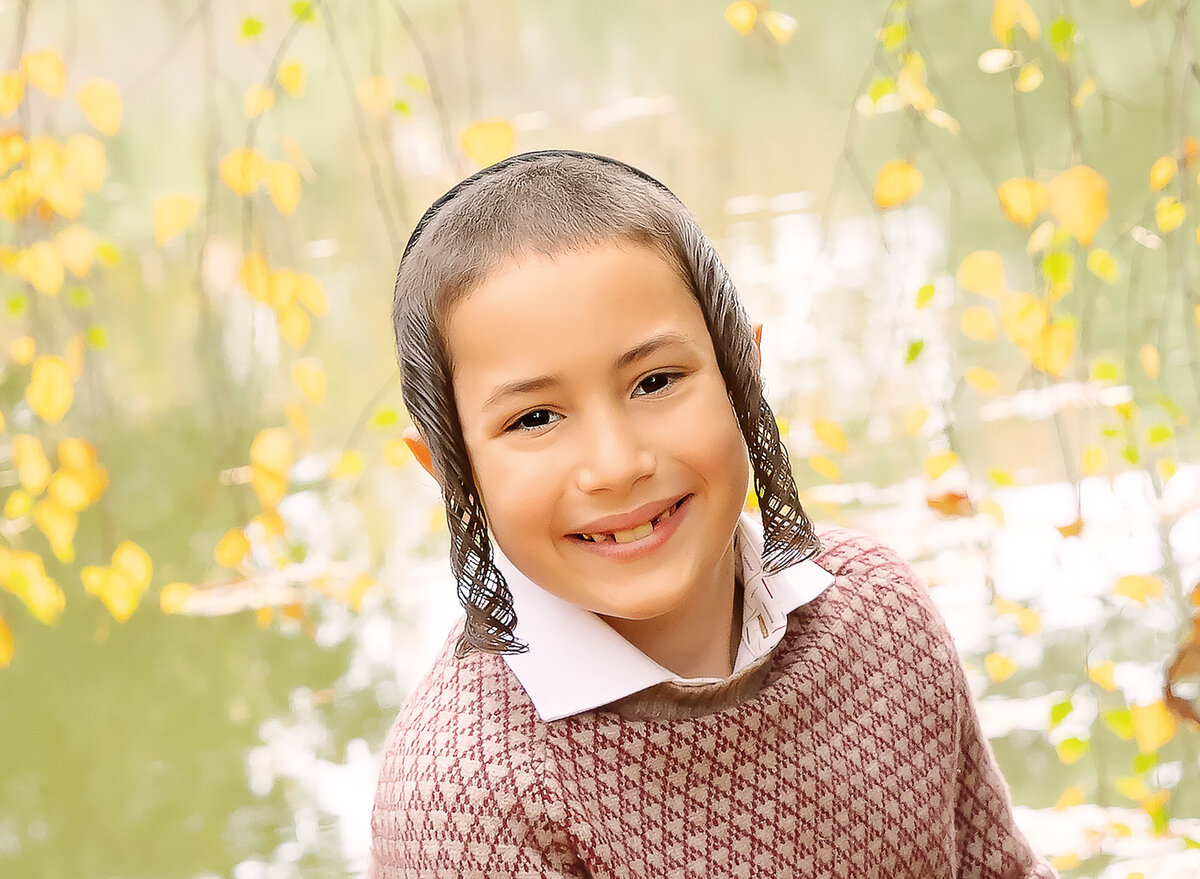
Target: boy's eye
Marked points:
532	421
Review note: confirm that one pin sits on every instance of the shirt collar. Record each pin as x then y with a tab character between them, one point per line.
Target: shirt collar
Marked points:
577	662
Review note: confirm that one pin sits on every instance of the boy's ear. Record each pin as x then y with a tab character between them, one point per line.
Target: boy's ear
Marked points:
416	445
758	345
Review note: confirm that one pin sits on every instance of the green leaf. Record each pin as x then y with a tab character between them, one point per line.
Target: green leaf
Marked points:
1104	370
924	296
1120	721
914	350
1059	711
17	304
1062	37
1110	432
79	297
251	28
1170	406
402	107
894	35
384	417
1058	267
303	10
97	337
1160	817
1188	842
1159	434
297	553
1143	762
885	85
1130	454
1070	750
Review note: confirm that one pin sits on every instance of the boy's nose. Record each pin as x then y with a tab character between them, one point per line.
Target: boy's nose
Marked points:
615	457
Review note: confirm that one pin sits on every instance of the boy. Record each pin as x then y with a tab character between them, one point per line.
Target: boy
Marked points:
650	680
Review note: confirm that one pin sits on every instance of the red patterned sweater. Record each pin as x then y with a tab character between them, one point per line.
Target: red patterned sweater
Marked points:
852	750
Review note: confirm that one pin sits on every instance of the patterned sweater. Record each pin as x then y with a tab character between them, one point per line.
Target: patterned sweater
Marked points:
853	750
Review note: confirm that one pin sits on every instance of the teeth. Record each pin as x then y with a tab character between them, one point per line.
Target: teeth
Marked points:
631	534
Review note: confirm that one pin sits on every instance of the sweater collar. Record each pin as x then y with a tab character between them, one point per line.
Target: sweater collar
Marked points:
576	662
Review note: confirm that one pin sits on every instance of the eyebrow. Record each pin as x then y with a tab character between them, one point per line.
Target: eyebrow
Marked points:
634	354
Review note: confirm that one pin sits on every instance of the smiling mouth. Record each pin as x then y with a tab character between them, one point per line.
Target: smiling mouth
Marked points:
632	534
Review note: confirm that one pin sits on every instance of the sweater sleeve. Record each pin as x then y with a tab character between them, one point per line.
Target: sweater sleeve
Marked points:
989	843
462	791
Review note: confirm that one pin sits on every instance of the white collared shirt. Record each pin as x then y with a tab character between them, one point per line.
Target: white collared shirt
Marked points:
577	662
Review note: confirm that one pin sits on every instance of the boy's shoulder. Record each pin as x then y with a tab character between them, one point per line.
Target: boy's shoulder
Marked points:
466	708
876	591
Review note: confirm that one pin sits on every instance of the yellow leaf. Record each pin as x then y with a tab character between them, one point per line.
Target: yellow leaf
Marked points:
1169	214
982	272
354	595
937	463
243	170
1162	172
41	265
12	92
1072	796
42	596
910	85
741	16
896	183
488	141
829	433
1166	469
295	325
1078	200
33	468
1102	674
257	100
298	420
991	508
285	284
396	454
1139	587
825	466
779	26
76	454
232	548
309	377
979	324
76	348
134	563
59	527
6	644
999	667
22	349
272	451
291	77
173	598
1051	351
1029	78
1065	861
1028	621
46	70
1021	199
85	162
77	244
295	155
375	95
982	380
120	595
100	101
1153	726
18	504
1104	266
1148	355
1023	317
1093	460
914	419
271	523
256	277
1007	14
50	392
1087	88
172	214
68	490
1040	238
349	464
283	183
312	295
12	149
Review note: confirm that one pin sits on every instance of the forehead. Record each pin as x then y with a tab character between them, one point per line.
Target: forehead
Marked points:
581	309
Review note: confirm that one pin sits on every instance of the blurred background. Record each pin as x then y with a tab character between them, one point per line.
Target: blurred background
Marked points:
969	230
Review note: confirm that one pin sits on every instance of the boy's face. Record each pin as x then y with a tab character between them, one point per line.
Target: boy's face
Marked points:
606	438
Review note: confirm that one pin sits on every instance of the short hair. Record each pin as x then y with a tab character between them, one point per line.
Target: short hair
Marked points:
549	202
